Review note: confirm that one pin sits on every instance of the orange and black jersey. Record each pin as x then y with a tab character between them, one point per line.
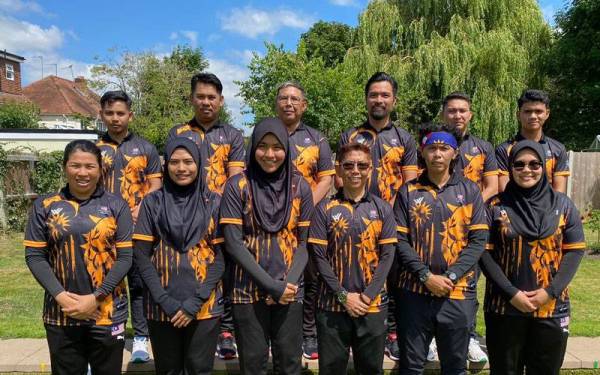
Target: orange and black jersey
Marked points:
529	265
557	160
311	154
440	230
393	150
82	247
273	252
353	246
179	280
127	166
221	147
476	159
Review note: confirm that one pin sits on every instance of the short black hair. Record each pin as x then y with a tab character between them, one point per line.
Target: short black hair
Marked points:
381	77
456	95
82	145
430	127
352	146
110	97
209	79
531	95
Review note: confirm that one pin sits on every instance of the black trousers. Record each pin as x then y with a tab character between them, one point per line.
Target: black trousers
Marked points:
420	318
189	350
73	347
311	289
257	325
516	343
136	297
338	332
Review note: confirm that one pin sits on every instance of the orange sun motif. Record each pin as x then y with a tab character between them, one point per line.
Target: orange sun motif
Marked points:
367	247
132	186
420	213
474	169
58	224
216	175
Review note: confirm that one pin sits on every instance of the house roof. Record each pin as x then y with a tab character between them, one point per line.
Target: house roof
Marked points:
11	56
6	97
59	96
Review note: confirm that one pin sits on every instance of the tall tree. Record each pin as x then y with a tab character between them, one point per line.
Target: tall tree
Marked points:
574	68
327	40
490	49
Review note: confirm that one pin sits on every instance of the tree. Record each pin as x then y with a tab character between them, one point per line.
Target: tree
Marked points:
335	101
15	115
490	49
159	88
574	69
327	40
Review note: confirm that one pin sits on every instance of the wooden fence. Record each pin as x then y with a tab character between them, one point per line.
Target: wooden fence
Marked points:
584	183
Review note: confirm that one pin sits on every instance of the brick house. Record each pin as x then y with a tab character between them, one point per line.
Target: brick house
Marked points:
10	77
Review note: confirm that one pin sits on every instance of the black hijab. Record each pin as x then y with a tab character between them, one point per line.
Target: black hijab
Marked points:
532	210
183	217
271	192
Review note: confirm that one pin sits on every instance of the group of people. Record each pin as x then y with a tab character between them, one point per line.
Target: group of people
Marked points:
244	251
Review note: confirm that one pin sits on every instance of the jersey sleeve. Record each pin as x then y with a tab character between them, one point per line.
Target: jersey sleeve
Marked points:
389	234
144	226
401	214
573	236
409	159
562	163
154	169
307	207
502	159
318	227
124	225
490	165
478	218
231	203
237	155
36	232
172	134
325	163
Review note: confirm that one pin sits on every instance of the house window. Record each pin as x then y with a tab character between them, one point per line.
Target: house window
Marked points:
10	72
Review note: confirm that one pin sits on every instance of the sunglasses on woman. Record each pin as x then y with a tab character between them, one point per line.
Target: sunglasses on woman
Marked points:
349	165
533	165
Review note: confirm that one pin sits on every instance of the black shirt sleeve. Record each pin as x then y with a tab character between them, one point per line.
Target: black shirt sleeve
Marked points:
300	257
237	155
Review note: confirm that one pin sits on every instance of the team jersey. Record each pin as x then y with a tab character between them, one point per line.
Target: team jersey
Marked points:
353	234
311	154
393	150
81	240
476	159
438	223
221	147
530	265
273	252
127	167
181	274
557	160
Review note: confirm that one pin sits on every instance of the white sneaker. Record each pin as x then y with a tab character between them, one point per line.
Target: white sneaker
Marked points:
139	351
432	356
476	354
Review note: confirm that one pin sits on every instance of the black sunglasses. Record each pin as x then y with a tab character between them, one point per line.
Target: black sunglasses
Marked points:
533	165
349	165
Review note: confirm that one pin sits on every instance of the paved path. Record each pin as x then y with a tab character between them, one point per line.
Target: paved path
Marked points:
31	355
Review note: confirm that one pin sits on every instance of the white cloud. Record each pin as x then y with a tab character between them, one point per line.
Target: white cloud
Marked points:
213	37
173	35
19	36
192	36
344	3
228	73
15	6
251	22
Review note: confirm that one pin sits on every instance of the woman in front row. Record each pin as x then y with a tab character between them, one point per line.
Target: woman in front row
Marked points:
178	254
78	247
265	215
535	247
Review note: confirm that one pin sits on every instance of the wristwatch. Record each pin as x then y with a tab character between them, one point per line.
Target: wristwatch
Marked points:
342	296
451	276
423	278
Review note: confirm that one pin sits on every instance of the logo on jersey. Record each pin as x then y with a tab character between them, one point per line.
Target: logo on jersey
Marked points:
337	216
460	198
307	140
135	151
394	141
56	211
474	150
418	200
373	214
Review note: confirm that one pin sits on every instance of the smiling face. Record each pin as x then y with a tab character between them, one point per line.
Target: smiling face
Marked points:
380	100
116	116
82	172
438	157
527	169
207	102
355	170
270	153
182	167
533	115
457	113
291	105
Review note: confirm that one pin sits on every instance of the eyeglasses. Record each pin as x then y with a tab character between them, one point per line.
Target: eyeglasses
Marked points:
533	165
349	165
294	99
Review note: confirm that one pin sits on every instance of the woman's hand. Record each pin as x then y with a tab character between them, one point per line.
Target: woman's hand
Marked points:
439	286
289	295
522	303
85	306
181	319
538	297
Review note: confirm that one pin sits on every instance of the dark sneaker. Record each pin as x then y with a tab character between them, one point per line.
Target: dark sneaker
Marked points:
226	348
391	347
310	348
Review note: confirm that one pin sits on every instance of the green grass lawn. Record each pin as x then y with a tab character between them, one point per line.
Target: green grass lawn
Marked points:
21	297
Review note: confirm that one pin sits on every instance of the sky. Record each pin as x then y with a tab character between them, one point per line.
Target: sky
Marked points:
72	35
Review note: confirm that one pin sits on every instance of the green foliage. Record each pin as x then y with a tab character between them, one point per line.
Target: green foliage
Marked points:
19	116
574	69
593	223
159	87
48	175
328	41
489	49
335	101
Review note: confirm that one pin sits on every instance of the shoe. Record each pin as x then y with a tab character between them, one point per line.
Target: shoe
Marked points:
432	356
226	348
391	347
139	351
476	354
310	348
